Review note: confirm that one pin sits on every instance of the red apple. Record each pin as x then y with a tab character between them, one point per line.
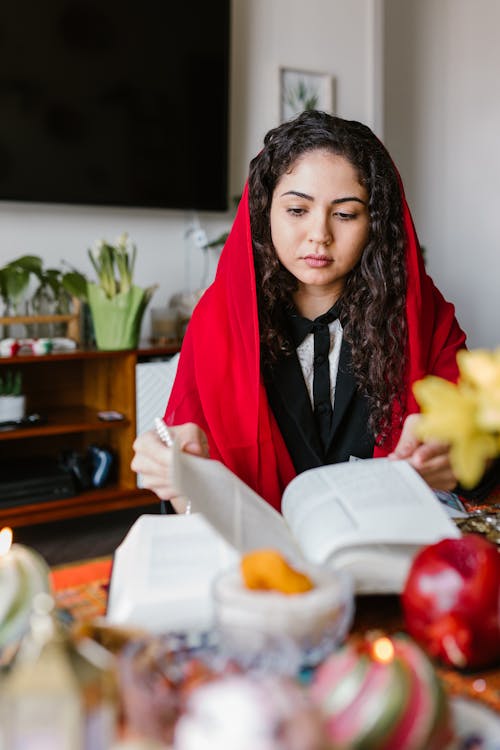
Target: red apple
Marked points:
451	601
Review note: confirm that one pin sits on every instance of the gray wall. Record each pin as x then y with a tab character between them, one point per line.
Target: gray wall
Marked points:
442	126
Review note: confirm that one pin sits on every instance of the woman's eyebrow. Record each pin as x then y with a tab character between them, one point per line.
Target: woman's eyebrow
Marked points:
347	199
299	195
335	202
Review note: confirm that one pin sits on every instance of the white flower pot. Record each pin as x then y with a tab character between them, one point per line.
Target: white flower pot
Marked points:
12	408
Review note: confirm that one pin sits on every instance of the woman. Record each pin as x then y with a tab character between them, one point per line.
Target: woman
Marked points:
321	317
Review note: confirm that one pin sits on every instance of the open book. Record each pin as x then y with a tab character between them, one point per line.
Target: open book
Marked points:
368	517
163	573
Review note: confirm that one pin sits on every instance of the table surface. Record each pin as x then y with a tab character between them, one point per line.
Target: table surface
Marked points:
81	591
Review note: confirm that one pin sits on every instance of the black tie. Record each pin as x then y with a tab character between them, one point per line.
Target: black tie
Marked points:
300	328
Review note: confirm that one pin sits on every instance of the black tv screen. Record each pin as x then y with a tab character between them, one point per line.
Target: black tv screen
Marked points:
115	102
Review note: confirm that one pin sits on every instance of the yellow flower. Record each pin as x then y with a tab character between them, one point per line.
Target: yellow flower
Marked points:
468	457
488	415
447	410
450	414
480	368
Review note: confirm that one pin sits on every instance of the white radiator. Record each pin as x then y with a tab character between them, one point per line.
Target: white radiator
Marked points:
153	383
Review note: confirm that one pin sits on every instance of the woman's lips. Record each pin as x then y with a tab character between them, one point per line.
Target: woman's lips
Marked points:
317	261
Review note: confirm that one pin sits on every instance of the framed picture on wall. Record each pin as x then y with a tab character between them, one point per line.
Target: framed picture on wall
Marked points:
303	89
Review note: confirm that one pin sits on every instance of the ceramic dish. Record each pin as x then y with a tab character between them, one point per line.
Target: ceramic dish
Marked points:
477	727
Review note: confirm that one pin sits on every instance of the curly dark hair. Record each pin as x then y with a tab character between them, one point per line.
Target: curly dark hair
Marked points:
373	302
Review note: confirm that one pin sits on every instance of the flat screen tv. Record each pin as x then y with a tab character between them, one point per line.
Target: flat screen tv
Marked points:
115	102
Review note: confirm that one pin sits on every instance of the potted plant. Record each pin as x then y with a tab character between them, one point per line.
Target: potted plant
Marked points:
14	282
49	296
116	304
15	279
12	400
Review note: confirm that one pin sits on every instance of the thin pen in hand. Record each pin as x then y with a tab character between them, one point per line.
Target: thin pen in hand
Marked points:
166	437
163	432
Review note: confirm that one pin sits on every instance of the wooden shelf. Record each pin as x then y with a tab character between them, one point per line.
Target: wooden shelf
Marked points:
88	503
63	421
71	319
144	350
69	389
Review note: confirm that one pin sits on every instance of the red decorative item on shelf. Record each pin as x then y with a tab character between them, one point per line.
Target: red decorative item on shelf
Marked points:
451	601
9	347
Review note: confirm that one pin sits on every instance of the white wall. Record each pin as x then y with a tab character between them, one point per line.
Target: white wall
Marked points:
339	37
442	125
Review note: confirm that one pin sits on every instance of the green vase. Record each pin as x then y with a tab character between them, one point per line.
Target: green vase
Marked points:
117	320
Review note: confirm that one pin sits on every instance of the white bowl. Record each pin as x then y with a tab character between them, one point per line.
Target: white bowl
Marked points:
317	621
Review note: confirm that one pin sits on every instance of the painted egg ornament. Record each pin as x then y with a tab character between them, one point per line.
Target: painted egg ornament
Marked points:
382	693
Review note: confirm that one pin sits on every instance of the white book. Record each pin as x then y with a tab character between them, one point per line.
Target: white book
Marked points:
163	572
368	517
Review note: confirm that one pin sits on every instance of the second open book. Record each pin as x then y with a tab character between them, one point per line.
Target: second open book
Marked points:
369	517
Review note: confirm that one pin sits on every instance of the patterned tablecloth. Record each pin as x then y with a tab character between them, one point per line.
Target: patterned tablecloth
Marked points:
81	592
81	589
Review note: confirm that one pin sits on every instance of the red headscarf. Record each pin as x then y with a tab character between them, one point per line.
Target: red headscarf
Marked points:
219	385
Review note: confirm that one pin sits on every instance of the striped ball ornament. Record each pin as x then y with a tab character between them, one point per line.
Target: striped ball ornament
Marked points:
382	693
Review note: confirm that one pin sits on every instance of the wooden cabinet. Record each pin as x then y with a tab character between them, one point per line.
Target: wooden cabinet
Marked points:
68	390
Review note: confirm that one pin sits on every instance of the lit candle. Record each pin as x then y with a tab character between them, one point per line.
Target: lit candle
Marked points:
23	574
5	541
383	650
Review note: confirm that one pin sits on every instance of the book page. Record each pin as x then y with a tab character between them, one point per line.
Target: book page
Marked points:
372	502
238	513
163	572
377	569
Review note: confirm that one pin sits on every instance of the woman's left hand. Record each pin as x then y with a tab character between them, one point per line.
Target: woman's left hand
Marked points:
431	460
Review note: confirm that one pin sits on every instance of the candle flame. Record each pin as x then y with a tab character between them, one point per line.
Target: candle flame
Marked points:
5	540
383	650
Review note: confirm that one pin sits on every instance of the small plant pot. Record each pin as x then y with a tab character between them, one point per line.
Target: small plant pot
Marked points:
12	408
117	320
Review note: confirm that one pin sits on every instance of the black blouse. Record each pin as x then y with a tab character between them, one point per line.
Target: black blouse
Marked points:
346	432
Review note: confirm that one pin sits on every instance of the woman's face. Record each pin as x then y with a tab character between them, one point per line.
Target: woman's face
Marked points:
319	225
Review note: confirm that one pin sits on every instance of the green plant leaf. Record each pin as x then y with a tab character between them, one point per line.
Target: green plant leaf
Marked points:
148	293
15	281
31	263
11	383
75	283
220	240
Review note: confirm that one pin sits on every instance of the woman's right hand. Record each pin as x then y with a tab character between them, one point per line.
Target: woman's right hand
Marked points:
431	459
151	459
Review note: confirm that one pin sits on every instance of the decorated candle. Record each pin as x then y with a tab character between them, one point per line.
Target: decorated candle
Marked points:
23	574
382	692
